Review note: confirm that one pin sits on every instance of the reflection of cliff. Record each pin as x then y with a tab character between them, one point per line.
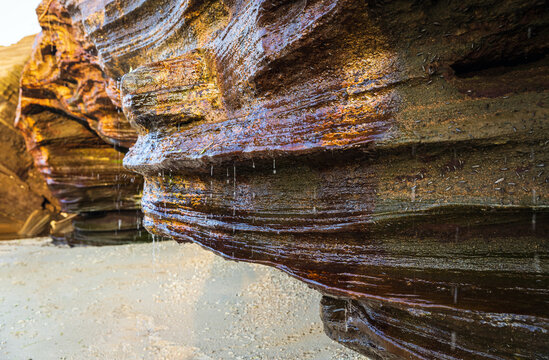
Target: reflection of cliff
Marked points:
76	134
25	202
393	153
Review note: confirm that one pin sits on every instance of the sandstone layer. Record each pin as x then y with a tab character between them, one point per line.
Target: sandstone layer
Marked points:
391	153
76	134
26	205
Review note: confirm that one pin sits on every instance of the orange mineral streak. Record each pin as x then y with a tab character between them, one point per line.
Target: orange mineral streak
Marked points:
64	71
76	134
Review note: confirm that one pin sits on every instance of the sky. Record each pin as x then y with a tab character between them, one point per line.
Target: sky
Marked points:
17	20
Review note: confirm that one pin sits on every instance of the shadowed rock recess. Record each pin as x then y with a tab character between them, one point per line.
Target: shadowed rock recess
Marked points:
77	135
390	154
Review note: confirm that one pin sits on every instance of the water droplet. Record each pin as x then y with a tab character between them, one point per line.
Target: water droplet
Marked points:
537	265
154	252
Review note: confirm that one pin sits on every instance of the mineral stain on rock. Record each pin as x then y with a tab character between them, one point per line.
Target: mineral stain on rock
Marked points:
26	205
390	154
77	136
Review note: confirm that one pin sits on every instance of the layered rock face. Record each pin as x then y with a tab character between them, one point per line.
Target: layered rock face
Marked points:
77	135
26	205
389	153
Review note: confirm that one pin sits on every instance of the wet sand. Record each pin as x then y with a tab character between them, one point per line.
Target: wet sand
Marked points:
117	303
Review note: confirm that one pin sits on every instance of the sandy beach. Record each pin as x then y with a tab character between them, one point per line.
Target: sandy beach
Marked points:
120	302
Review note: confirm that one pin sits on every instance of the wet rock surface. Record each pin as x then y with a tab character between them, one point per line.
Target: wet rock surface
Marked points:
76	134
391	153
26	205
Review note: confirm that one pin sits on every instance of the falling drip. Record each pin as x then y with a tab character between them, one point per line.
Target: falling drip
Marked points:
154	252
453	344
455	295
119	223
253	164
347	308
314	200
534	222
234	183
537	266
274	166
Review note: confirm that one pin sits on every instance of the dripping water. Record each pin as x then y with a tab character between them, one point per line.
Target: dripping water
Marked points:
154	252
534	201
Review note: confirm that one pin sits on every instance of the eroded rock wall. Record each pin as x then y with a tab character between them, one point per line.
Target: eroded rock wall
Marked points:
76	134
393	153
26	205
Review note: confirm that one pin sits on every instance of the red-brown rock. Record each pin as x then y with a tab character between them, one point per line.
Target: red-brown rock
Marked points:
74	132
392	153
26	205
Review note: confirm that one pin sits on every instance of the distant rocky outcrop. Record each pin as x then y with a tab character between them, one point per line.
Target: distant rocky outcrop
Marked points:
392	154
26	205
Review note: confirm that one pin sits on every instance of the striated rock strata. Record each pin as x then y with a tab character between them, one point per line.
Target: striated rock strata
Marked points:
391	153
26	205
76	134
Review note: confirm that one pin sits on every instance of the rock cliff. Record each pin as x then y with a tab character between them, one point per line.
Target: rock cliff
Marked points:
26	205
76	134
389	153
